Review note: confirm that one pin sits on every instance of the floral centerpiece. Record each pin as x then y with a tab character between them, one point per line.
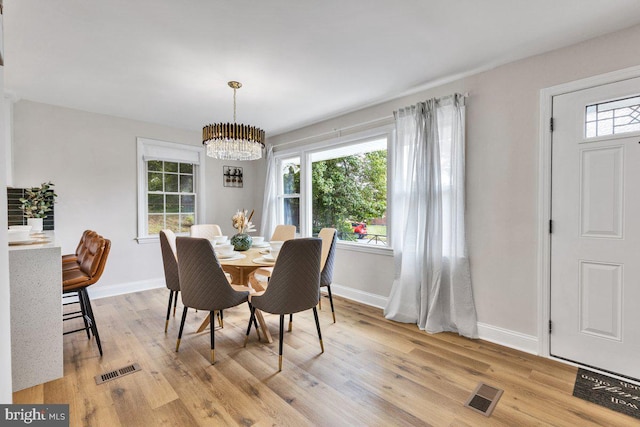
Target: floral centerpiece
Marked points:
242	222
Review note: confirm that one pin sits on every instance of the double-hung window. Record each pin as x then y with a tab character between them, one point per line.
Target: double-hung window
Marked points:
169	187
341	184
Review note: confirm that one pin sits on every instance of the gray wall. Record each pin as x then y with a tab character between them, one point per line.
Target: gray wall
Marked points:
91	159
502	173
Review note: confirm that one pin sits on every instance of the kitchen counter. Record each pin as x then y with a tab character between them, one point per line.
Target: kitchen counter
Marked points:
35	279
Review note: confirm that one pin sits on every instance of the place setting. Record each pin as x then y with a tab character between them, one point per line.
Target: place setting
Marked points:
226	252
268	257
258	242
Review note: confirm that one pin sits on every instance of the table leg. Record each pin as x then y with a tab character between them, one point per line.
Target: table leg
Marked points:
263	326
204	324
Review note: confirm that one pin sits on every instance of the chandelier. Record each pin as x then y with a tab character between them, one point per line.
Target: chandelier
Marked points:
233	141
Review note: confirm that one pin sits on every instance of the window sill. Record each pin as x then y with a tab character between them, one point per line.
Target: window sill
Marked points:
148	239
371	249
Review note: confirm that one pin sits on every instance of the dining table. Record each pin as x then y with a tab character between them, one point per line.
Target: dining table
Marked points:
242	266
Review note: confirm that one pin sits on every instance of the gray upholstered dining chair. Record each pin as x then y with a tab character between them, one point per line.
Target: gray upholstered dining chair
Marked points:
170	262
282	232
207	231
294	285
203	284
329	237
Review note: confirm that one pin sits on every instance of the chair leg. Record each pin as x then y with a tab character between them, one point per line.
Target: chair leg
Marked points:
213	336
83	310
221	318
184	317
92	319
290	322
280	342
166	324
252	319
320	303
315	314
175	303
333	313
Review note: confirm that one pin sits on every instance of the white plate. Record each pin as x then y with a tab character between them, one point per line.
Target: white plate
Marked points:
227	256
263	261
265	251
233	257
269	258
261	245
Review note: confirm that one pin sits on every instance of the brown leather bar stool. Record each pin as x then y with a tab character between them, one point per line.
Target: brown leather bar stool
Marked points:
76	281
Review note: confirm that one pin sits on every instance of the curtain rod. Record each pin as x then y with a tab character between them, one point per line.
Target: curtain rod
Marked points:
337	133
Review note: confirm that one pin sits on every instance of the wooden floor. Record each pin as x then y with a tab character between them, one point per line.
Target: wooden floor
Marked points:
373	373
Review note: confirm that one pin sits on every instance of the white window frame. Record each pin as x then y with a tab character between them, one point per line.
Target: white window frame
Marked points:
153	149
281	196
305	153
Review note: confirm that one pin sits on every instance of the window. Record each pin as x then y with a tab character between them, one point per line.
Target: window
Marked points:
340	184
349	191
289	192
613	117
169	196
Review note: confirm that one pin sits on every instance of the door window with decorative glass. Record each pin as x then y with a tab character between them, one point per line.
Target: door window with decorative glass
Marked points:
171	196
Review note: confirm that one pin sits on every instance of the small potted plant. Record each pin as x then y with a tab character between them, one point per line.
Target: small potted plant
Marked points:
37	203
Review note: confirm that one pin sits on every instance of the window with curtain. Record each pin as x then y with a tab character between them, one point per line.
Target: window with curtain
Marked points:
170	178
432	286
289	194
340	184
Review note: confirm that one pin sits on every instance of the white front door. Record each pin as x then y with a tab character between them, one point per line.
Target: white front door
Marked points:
595	240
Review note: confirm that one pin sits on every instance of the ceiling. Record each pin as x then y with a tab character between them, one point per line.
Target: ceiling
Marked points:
300	61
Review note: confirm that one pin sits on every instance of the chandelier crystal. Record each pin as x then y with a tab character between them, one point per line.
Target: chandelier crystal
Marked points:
233	141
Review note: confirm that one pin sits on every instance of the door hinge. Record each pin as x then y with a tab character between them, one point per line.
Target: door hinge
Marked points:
550	327
551	124
550	226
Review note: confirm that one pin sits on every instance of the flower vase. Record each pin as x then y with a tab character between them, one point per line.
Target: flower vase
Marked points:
241	241
35	223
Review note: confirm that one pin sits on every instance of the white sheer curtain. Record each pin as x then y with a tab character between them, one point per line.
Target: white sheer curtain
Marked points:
433	283
269	210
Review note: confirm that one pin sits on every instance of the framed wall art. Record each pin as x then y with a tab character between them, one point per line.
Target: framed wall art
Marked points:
232	176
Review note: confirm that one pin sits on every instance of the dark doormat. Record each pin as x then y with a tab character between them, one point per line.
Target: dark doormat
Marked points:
612	393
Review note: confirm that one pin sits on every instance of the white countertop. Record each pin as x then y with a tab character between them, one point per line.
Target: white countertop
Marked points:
46	241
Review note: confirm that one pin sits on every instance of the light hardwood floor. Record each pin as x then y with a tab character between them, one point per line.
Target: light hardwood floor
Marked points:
373	373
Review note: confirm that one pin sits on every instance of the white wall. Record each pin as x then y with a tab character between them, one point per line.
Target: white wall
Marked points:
502	173
91	159
5	312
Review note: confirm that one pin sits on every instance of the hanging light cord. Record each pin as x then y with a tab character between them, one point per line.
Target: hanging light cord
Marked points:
234	105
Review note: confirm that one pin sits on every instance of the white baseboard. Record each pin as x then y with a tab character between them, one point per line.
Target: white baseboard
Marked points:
96	292
357	295
508	338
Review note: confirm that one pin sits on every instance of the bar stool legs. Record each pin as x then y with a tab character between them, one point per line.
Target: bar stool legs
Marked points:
86	312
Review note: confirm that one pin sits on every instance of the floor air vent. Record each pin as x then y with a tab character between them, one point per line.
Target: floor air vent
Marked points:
112	375
484	399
